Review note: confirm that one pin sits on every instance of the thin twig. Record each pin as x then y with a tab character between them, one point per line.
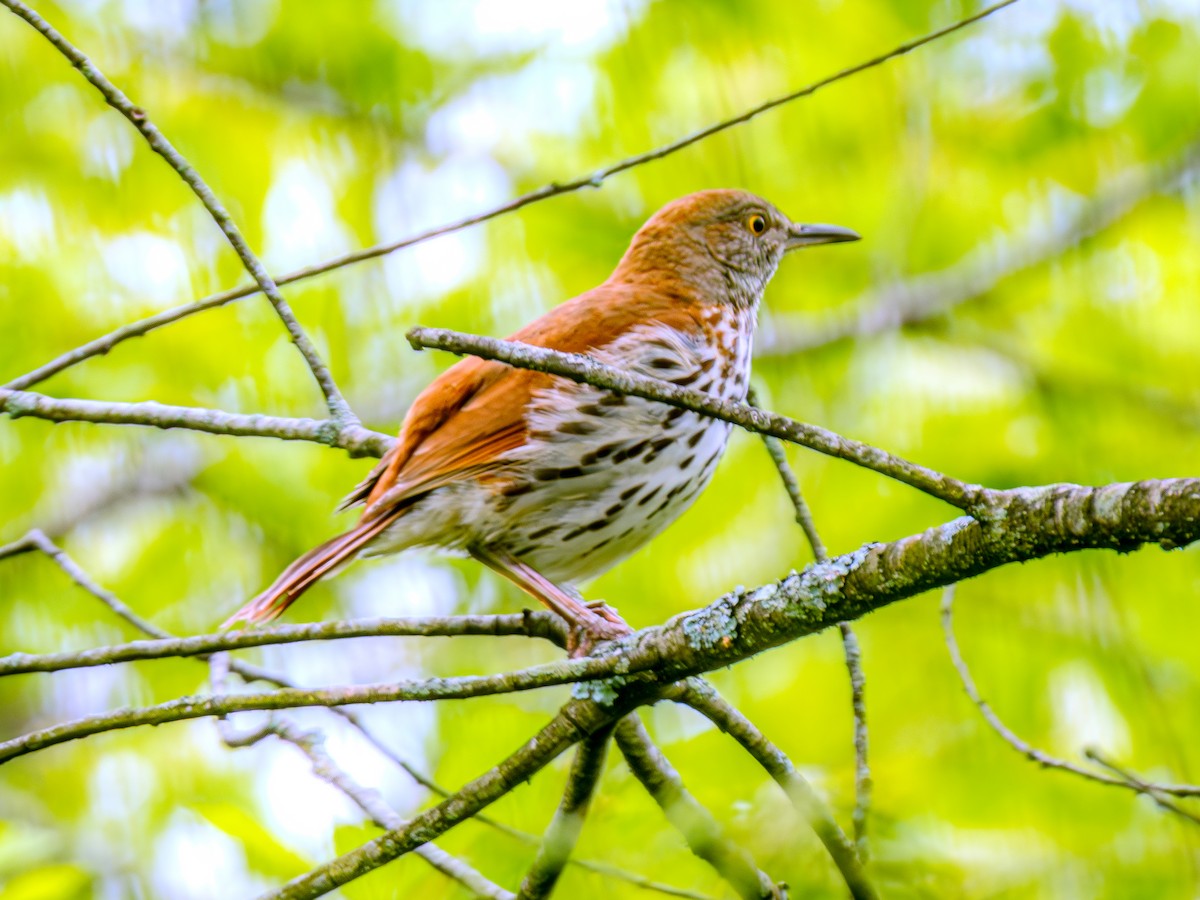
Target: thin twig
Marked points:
704	836
862	769
574	722
352	437
106	342
420	689
703	697
563	831
1024	747
534	625
926	296
367	799
36	540
850	646
585	369
1149	788
339	409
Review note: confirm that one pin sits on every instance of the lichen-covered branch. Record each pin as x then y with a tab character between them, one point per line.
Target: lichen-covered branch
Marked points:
704	835
351	437
584	369
1019	525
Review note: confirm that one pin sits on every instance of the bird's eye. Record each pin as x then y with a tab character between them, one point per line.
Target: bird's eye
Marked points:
757	224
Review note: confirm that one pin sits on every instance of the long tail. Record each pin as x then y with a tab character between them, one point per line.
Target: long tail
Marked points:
307	571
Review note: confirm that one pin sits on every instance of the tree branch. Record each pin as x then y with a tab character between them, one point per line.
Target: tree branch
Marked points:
585	369
367	799
574	722
1021	524
1155	791
703	697
850	646
563	832
339	409
545	675
530	624
704	836
106	342
352	437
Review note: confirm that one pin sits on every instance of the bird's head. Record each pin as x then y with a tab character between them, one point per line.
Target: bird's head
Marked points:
721	240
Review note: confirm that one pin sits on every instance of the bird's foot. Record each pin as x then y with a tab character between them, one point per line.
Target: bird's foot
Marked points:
602	624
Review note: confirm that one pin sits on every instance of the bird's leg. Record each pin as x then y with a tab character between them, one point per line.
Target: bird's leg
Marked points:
588	625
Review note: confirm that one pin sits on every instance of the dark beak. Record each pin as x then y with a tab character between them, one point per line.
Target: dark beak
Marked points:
808	235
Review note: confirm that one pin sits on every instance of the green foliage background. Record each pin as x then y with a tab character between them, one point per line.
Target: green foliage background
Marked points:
330	126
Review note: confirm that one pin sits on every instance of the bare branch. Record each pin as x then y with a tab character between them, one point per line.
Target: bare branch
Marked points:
339	409
1028	750
574	722
545	675
36	540
563	832
367	799
850	646
537	624
862	768
702	697
105	343
1155	791
585	369
352	437
704	836
926	296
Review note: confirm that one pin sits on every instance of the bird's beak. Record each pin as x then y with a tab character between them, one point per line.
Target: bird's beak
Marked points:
808	235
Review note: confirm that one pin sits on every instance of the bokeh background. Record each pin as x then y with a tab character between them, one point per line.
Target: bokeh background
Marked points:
326	127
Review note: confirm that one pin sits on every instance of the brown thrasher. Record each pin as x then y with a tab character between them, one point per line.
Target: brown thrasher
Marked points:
550	482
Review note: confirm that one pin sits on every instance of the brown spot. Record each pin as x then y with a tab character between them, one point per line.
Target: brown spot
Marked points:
687	462
577	426
685	380
650	496
631	452
629	492
554	474
542	532
696	438
600	453
662	362
614	509
674	415
612	400
516	489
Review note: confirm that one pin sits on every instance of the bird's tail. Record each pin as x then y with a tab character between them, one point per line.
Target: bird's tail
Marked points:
307	571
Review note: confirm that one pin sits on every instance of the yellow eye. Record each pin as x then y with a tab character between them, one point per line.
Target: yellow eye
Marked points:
757	224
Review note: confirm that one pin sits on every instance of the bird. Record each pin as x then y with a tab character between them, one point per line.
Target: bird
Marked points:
550	482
